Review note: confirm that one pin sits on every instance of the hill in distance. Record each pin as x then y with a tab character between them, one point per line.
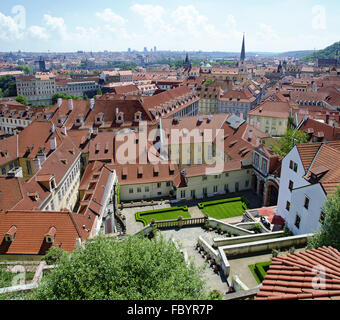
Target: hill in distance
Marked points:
328	53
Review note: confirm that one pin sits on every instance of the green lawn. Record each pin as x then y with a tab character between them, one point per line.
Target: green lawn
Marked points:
162	214
223	209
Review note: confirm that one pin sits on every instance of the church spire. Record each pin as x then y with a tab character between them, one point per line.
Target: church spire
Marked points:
243	51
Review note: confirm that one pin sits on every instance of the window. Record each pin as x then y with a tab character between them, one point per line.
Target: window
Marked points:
264	165
295	167
306	203
168	184
183	194
29	168
291	185
291	163
215	189
131	190
297	221
139	190
204	178
192	193
288	206
322	217
247	183
147	189
205	191
159	185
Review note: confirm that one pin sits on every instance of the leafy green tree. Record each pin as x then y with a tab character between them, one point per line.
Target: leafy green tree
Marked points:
288	141
99	92
131	269
22	99
54	255
330	229
208	82
25	69
63	96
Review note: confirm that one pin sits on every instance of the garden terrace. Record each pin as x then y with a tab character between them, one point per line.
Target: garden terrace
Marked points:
225	208
174	213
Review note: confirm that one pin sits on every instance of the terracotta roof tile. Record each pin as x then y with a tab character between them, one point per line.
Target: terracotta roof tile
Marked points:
282	284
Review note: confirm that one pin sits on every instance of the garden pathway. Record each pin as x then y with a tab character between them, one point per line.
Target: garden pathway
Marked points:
195	212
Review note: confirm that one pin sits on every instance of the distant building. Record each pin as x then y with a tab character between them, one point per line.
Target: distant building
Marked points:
270	117
38	88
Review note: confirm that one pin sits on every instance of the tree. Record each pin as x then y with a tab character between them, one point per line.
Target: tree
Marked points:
99	92
54	255
63	96
25	69
131	269
288	141
208	82
330	229
22	99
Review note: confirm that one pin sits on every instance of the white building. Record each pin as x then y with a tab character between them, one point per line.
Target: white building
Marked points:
309	173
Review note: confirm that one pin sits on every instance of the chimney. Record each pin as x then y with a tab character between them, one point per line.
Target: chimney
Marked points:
257	141
327	117
64	130
36	164
52	128
70	104
60	102
92	104
53	143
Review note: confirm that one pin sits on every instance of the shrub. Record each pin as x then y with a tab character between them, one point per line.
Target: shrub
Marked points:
54	255
215	295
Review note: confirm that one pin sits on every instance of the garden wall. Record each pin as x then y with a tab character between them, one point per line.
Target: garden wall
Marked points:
218	242
265	245
229	227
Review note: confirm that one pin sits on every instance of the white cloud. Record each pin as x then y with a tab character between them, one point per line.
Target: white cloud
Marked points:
267	33
153	17
9	29
38	32
58	25
110	17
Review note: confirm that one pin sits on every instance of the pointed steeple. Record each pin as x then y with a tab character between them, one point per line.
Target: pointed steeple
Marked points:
243	51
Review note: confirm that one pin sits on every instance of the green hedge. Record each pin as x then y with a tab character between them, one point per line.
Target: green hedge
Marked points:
211	203
139	215
259	270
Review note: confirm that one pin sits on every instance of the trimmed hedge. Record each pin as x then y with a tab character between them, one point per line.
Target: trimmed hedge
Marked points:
139	215
259	270
245	201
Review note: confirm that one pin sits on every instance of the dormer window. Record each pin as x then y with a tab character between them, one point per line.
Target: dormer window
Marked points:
10	234
50	235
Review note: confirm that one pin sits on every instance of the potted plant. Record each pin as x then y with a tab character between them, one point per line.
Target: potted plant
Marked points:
215	295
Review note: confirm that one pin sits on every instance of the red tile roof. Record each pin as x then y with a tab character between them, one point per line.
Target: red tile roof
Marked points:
290	277
32	226
271	109
10	192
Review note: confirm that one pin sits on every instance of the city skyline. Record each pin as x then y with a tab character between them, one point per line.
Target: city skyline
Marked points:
176	26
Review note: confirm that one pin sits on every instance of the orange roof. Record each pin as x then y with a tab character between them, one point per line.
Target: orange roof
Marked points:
273	109
32	226
290	277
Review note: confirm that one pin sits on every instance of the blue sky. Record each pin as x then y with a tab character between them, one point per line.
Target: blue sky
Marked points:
276	26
